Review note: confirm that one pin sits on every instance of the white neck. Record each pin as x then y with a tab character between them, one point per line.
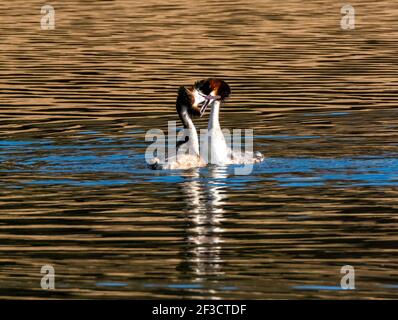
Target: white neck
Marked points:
215	110
193	138
217	152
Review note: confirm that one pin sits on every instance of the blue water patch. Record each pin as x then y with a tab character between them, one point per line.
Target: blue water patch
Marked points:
127	165
111	284
331	114
338	114
21	143
105	140
228	288
301	172
167	179
301	184
175	285
185	286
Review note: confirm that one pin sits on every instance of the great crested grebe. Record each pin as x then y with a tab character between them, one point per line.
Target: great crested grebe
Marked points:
215	92
189	104
216	151
193	102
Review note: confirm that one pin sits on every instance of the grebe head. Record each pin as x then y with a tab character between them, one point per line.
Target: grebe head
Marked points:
186	102
208	91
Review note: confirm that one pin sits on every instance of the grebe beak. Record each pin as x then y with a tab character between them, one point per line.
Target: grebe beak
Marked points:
204	107
208	100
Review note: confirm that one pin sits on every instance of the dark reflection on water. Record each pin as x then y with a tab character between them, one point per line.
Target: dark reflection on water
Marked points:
75	191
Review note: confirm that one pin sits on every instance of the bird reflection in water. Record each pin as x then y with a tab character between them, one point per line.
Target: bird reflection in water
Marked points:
204	196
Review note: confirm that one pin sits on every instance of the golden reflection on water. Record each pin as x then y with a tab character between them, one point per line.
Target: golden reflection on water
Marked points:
75	192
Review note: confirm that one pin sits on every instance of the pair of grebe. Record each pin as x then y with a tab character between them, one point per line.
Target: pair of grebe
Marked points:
193	102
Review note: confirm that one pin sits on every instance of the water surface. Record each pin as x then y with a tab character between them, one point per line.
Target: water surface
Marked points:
75	192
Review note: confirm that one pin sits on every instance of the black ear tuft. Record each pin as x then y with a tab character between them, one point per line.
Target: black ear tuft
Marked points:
224	90
184	97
